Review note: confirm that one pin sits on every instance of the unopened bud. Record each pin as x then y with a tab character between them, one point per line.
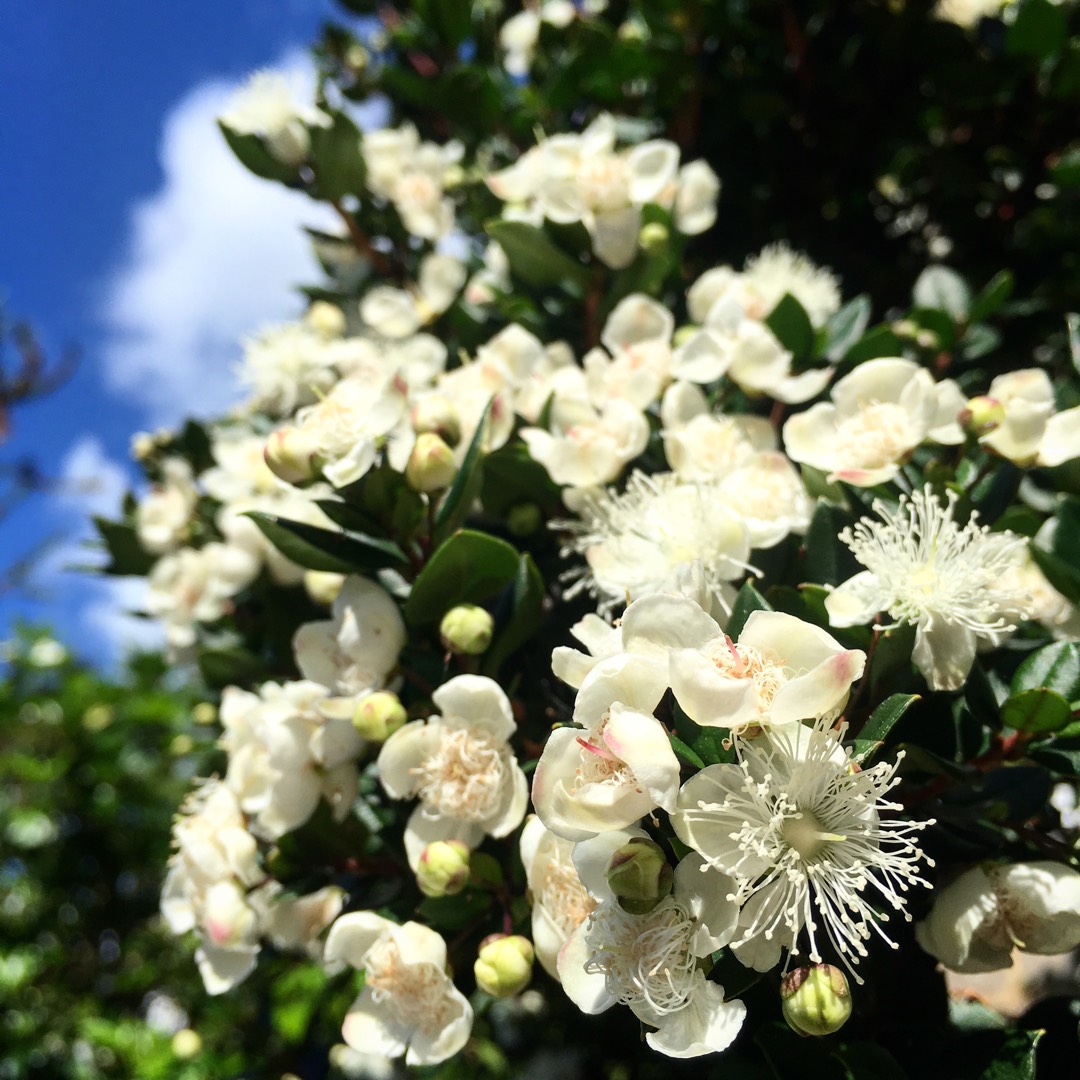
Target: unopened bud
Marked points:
186	1043
437	415
524	519
683	334
981	415
181	745
323	586
97	717
204	713
654	237
431	464
639	875
443	869
379	715
356	59
467	629
290	455
142	445
816	999
905	328
326	319
504	964
927	339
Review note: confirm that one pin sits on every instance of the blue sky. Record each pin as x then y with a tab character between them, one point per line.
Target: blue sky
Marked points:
127	230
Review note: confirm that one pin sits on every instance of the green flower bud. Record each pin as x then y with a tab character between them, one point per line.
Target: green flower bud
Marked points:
683	334
466	629
438	415
816	1000
204	713
431	464
503	967
325	319
639	875
378	715
290	455
443	869
981	415
524	519
323	586
654	237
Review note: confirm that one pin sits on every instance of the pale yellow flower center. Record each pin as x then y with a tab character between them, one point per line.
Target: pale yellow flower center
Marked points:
877	435
747	662
417	992
465	776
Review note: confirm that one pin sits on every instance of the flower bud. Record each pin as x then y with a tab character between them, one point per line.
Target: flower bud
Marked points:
653	238
204	713
524	519
431	464
326	319
97	717
503	967
290	455
443	869
683	334
981	415
466	629
356	59
142	445
639	875
186	1043
816	1000
379	715
323	586
437	415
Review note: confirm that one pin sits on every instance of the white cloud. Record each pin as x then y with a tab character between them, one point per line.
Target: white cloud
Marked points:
213	255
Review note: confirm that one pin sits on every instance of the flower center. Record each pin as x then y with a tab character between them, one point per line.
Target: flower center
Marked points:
645	959
748	662
602	182
878	434
417	992
465	776
563	896
804	833
598	764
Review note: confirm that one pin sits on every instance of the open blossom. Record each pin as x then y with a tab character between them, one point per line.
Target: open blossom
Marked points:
163	515
642	540
778	271
802	833
409	1005
978	919
399	313
265	107
559	900
878	415
619	765
287	366
956	585
460	765
1030	432
356	650
650	962
214	863
287	750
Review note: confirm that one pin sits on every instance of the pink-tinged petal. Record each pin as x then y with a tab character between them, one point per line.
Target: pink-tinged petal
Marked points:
709	697
640	741
820	690
864	477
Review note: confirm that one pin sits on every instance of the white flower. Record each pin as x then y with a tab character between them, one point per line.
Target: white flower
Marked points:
163	516
779	270
295	922
643	540
951	583
967	13
460	765
695	201
265	108
1031	433
769	495
989	910
287	366
409	1005
651	962
800	830
621	766
559	900
878	415
357	649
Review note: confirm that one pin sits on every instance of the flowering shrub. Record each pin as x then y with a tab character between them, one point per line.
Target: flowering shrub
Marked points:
822	572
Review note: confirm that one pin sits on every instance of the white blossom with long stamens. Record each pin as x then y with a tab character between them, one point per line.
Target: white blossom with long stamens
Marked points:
955	584
800	829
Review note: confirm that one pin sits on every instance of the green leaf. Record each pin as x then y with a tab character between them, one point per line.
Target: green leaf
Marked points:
468	567
885	716
337	159
1014	1055
251	152
320	549
1060	573
453	19
1060	755
1056	667
846	326
945	290
868	1061
685	752
747	601
980	339
997	290
939	323
1040	30
880	341
533	258
1072	323
792	326
451	913
513	627
234	666
126	554
463	492
828	560
1038	712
